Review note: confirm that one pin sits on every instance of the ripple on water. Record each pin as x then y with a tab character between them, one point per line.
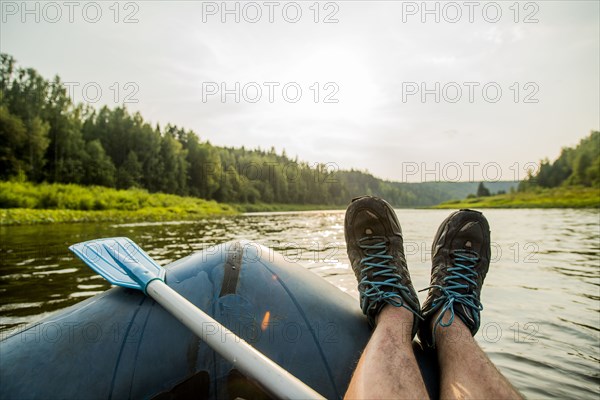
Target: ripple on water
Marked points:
87	287
56	271
19	306
85	294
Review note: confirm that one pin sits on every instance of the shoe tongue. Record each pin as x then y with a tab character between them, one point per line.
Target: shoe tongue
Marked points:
370	239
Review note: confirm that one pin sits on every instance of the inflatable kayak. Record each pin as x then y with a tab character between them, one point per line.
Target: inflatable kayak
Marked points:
122	344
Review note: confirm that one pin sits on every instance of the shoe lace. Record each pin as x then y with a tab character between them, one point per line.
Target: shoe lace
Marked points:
377	260
462	276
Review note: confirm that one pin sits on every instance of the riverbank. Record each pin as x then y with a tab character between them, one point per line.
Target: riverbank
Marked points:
567	197
23	203
28	216
25	216
26	203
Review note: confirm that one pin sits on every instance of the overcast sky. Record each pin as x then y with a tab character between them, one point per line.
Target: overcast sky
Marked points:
514	84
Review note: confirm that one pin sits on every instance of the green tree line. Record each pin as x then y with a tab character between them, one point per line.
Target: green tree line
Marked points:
576	166
45	137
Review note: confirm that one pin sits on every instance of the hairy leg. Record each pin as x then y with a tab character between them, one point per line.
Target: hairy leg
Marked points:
465	370
387	368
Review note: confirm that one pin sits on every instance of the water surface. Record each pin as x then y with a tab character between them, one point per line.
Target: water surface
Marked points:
540	324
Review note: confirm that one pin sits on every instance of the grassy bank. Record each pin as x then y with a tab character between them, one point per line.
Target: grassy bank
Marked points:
26	203
567	197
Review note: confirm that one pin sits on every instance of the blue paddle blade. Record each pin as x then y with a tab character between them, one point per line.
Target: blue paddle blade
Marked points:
120	261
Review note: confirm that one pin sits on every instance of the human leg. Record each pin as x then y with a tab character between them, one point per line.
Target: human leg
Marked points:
451	312
387	367
466	372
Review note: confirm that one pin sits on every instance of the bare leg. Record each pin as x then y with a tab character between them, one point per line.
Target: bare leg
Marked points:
387	368
466	372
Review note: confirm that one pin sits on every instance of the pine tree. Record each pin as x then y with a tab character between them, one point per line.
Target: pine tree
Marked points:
482	191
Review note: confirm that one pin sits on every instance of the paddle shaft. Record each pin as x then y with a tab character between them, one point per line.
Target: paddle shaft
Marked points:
245	357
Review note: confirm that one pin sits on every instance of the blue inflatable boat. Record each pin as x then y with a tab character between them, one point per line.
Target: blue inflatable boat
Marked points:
121	344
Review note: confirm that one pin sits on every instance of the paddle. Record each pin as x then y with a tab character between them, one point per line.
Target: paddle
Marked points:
123	263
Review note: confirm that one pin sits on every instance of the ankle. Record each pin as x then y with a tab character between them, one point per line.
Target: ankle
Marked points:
400	318
456	332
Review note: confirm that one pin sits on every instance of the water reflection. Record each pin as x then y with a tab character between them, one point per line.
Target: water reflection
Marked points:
541	323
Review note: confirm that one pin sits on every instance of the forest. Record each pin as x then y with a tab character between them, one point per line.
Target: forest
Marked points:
576	166
45	137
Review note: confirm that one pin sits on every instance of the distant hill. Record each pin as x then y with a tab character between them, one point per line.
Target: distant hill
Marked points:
432	193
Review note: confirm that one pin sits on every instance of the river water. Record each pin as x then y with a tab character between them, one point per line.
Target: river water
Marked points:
541	318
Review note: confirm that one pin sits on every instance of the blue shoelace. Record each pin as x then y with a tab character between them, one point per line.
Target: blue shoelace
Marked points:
376	291
462	274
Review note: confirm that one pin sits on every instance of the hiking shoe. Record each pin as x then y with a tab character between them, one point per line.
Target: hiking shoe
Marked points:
376	252
460	261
